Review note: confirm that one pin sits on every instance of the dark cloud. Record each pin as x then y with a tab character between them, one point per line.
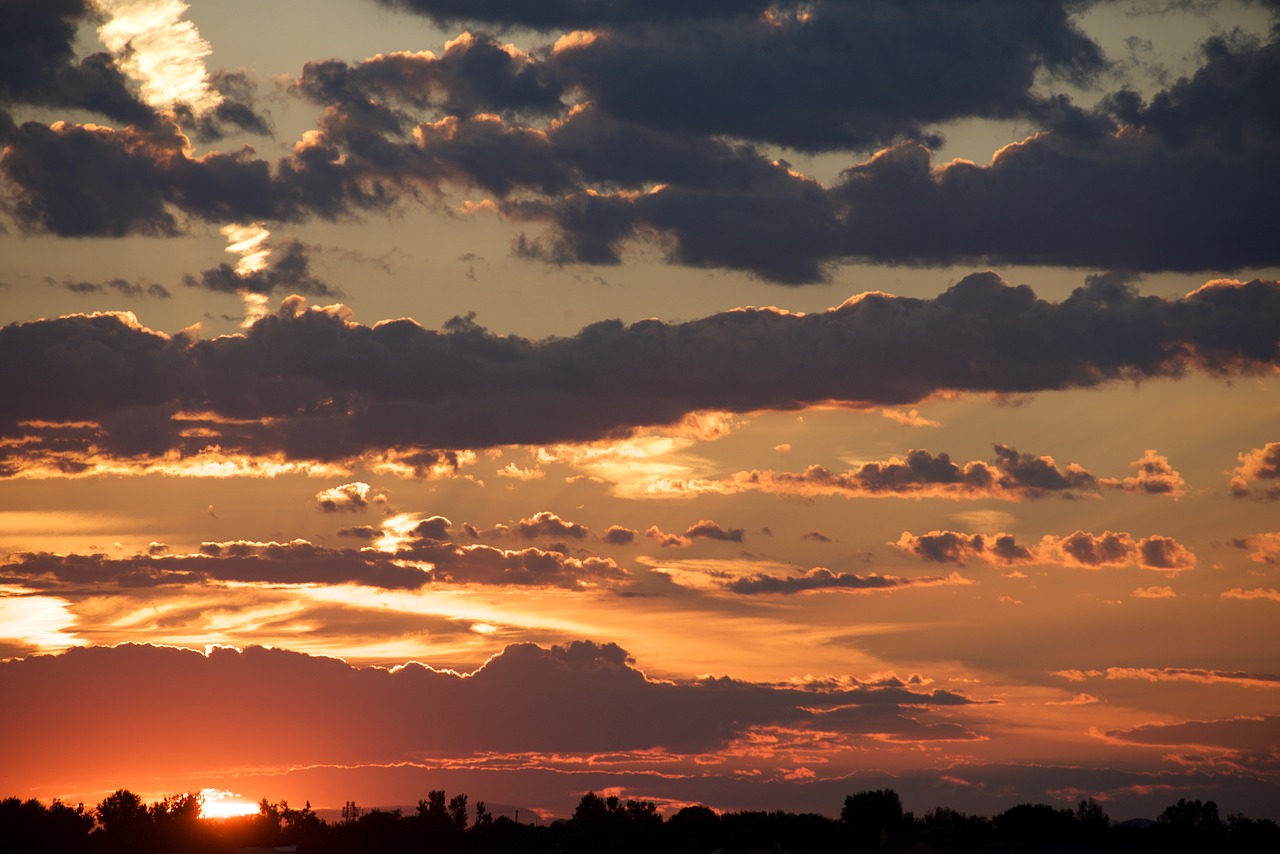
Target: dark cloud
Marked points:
297	562
654	134
821	578
434	528
1080	548
119	286
548	524
421	558
617	535
234	113
1010	475
831	75
815	536
38	65
349	497
80	180
708	529
1189	194
288	269
361	532
574	13
311	384
475	74
579	698
1248	743
1254	733
953	547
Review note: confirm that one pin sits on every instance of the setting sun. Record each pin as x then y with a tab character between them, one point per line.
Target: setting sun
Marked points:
219	803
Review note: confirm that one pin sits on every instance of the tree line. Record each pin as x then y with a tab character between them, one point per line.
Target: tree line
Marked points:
869	821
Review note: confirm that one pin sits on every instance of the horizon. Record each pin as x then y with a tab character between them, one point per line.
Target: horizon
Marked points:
743	405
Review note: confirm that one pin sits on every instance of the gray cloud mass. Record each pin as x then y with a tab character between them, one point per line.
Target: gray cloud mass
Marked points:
311	384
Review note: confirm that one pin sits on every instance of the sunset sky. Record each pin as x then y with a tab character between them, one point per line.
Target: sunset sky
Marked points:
743	403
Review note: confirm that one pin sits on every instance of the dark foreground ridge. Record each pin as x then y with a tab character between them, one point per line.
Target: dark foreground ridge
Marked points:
870	821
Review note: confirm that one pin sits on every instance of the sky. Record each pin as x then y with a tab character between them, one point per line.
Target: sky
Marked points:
736	403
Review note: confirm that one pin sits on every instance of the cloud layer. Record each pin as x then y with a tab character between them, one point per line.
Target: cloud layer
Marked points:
649	124
311	384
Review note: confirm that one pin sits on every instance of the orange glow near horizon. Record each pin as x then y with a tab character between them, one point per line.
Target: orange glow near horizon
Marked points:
220	803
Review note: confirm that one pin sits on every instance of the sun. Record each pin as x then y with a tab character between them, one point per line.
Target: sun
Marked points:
219	803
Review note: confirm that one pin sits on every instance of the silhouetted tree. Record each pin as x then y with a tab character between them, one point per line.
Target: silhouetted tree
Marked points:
1191	826
175	821
32	828
1193	817
458	812
694	829
872	816
949	830
126	824
1037	826
1250	836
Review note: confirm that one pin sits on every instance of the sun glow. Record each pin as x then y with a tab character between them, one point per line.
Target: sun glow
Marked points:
219	803
164	53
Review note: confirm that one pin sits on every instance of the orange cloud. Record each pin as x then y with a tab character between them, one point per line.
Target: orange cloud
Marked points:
1259	464
1175	674
1080	549
1155	477
1256	593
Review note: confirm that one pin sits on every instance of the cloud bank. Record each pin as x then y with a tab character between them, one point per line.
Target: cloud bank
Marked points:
311	384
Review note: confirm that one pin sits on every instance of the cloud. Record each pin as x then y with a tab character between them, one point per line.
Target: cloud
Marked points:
567	13
739	71
548	524
39	65
815	536
476	74
87	180
1176	674
1080	549
310	384
1266	546
578	699
1011	475
1163	592
433	528
704	529
912	418
269	270
821	578
1251	738
1259	464
1257	593
667	541
122	287
617	535
653	129
350	497
952	547
1155	477
707	529
420	556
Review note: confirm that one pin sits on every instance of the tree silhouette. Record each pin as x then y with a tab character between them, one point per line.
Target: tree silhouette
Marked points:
872	816
31	827
869	821
458	812
125	822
